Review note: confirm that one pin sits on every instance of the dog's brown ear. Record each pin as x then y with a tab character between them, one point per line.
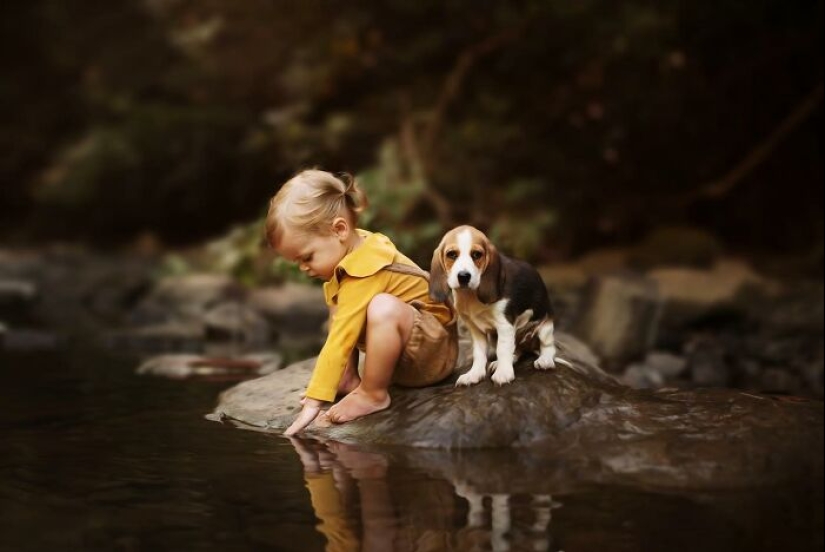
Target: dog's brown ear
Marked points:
491	287
439	290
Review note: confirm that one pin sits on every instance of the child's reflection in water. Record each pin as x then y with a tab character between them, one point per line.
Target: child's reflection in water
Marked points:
338	476
350	494
329	487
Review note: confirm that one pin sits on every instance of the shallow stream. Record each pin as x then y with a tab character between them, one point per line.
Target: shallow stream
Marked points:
93	457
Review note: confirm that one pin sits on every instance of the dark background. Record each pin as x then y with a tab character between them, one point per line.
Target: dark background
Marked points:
557	126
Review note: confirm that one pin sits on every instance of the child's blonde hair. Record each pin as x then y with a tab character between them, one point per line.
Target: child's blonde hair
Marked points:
310	201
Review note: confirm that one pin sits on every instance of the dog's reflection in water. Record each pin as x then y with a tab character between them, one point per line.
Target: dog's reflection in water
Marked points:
500	516
360	510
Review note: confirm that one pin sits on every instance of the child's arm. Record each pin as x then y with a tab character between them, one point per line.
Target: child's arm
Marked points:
311	408
348	321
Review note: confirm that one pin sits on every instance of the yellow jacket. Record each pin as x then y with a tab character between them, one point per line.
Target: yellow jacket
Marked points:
357	279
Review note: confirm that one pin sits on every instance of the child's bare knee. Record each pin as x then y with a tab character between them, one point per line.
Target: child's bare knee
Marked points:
384	308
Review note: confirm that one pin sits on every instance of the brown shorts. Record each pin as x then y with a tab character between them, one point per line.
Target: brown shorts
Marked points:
430	354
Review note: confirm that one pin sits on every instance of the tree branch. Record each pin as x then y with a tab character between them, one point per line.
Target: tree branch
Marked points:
763	150
452	86
420	153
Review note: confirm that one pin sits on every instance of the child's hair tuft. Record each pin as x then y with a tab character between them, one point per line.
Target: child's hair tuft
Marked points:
311	200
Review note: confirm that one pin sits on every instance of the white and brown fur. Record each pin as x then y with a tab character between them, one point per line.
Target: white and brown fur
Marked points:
494	294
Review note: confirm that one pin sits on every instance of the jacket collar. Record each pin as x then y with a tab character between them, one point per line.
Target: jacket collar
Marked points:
375	253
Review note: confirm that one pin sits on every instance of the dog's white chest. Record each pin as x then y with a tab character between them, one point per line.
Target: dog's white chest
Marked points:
485	317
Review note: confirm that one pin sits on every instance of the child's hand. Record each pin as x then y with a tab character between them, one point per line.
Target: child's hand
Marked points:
310	411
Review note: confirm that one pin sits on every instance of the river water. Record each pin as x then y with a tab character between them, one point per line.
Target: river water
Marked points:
94	457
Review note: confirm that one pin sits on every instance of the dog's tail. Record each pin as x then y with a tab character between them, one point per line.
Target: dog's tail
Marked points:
562	361
585	362
590	371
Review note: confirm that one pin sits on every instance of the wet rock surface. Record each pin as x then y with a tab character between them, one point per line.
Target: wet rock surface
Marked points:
599	429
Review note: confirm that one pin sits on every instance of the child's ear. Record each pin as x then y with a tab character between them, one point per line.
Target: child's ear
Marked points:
439	290
341	228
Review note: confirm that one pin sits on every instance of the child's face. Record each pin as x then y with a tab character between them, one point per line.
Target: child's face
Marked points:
316	255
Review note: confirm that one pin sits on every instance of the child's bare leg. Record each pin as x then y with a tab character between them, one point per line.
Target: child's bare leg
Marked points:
350	380
389	325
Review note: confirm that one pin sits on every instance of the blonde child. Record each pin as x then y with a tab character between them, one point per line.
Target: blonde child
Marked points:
378	300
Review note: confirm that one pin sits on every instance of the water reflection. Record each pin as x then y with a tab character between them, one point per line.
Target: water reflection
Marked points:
358	509
538	537
93	458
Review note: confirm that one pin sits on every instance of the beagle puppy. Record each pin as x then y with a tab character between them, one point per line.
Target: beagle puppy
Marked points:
494	294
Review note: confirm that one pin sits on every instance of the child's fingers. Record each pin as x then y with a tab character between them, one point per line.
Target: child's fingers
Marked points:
309	458
304	418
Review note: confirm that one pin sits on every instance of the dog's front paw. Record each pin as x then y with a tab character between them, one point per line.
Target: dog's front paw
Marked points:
545	362
470	378
503	374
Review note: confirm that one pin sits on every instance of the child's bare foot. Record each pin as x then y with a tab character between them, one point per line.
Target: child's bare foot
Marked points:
357	405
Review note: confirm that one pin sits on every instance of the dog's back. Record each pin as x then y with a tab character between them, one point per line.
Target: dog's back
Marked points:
525	289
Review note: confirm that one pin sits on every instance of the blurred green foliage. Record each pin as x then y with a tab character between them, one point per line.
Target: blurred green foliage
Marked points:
395	189
239	253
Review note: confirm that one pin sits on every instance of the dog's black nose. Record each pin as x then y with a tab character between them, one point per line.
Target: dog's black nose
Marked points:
463	278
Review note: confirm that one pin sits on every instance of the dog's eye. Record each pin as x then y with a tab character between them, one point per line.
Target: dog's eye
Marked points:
476	255
452	255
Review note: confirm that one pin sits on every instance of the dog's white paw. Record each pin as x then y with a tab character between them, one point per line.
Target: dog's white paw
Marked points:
503	374
470	378
545	362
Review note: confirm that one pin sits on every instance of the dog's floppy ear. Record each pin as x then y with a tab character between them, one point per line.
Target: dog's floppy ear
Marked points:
491	287
439	290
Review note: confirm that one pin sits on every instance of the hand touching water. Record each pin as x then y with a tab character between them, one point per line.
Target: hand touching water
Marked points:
310	411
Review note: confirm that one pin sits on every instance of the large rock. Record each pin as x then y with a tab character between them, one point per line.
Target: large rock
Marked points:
657	369
185	298
691	293
29	340
71	289
292	307
236	321
620	317
576	416
676	246
177	336
17	292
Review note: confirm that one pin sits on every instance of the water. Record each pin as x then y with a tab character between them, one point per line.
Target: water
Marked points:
93	457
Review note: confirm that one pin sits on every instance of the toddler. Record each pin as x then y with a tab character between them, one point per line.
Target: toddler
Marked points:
378	300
